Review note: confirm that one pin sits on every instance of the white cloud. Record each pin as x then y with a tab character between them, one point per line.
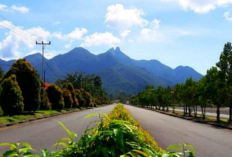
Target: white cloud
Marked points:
155	23
76	34
227	16
17	38
3	7
166	34
201	6
120	18
125	33
98	39
150	35
20	9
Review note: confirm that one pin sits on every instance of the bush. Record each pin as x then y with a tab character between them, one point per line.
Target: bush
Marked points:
81	100
55	97
11	99
45	104
67	96
29	83
70	87
1	112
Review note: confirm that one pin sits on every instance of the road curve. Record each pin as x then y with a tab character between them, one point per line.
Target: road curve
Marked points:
208	141
46	132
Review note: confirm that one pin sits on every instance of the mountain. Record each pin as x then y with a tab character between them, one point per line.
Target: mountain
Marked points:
119	72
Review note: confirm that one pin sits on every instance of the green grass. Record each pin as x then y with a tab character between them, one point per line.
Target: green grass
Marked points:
199	117
29	116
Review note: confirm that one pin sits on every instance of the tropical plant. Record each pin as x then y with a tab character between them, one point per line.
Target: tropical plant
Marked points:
11	99
67	96
55	97
45	104
29	83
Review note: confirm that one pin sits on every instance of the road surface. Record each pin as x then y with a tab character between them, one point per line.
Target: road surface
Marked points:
208	141
46	132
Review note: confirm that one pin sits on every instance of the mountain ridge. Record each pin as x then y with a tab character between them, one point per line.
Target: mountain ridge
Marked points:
118	71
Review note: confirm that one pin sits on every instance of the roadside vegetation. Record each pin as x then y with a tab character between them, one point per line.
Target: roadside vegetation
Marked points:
212	90
23	94
116	135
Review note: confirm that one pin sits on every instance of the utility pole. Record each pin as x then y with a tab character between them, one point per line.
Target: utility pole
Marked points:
43	47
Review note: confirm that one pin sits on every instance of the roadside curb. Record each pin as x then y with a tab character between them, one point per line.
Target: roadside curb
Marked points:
48	116
192	119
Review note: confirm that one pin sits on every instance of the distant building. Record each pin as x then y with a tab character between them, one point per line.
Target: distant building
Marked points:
46	85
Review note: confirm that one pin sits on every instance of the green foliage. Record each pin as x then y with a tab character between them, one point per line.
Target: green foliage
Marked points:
1	112
11	99
45	104
1	73
79	97
67	96
70	87
18	149
29	83
55	97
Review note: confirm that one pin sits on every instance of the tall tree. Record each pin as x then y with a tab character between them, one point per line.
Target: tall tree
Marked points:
29	83
213	90
225	76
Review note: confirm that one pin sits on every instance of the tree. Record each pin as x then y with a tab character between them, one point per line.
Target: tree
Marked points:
29	83
1	112
202	95
225	77
1	73
70	87
55	97
213	90
67	96
45	104
11	99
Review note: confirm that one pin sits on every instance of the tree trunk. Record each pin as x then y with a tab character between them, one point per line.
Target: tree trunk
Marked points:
218	113
203	112
189	108
195	111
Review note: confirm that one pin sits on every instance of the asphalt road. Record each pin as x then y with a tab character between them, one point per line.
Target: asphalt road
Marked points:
45	133
208	141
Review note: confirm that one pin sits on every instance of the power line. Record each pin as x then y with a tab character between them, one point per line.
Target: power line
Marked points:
20	31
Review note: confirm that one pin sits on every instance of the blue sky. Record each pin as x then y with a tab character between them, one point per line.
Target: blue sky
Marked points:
175	32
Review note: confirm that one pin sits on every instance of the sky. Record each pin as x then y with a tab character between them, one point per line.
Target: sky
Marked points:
175	32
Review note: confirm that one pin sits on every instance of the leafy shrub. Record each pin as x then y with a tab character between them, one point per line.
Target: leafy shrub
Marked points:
70	87
55	97
67	96
11	99
80	98
29	83
45	104
1	112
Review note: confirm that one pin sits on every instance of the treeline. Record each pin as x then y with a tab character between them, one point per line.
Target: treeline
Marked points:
22	90
213	89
